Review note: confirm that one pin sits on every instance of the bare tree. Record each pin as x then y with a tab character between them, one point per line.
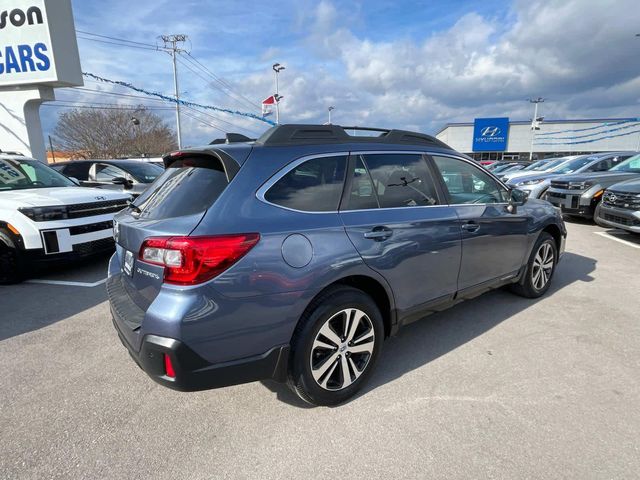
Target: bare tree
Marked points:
113	133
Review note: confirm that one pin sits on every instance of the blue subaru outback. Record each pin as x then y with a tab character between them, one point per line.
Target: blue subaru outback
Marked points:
294	256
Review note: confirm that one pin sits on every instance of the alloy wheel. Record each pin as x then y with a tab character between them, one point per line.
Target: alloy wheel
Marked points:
342	349
542	266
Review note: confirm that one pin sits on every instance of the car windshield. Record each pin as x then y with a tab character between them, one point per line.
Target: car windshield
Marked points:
22	174
553	165
144	172
573	165
536	166
631	164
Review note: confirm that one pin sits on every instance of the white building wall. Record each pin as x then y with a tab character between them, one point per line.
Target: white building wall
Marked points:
460	137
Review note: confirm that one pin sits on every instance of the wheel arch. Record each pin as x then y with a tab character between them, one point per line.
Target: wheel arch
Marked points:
553	230
8	238
379	293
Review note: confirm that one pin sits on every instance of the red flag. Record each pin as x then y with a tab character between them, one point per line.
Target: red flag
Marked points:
267	105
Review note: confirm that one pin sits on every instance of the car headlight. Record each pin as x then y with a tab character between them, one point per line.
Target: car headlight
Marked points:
45	214
530	182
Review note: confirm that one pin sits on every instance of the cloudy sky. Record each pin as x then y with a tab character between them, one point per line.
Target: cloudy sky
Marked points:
415	65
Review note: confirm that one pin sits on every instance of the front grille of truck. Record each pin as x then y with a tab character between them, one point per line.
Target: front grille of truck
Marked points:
559	185
90	227
80	210
630	201
556	194
96	246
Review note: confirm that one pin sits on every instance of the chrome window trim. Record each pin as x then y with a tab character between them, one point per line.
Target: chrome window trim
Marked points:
260	194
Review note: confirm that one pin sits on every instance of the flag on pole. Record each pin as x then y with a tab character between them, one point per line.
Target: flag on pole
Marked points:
267	105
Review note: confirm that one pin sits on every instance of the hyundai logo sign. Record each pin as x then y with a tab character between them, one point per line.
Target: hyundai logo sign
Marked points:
490	131
490	134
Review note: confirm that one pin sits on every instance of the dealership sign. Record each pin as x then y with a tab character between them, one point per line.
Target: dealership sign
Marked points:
38	44
490	134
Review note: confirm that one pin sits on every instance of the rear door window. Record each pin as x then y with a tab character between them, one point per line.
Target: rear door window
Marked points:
313	186
188	186
400	180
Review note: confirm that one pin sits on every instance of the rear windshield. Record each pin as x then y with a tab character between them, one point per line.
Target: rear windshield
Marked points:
188	186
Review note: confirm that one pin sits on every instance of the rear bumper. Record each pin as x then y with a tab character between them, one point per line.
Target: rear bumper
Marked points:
193	373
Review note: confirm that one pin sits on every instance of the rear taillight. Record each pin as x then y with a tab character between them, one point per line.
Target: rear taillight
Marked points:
193	260
168	367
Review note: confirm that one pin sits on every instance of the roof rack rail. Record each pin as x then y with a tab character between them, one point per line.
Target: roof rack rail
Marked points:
232	138
292	134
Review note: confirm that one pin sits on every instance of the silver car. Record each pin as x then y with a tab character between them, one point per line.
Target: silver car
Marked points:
538	184
540	166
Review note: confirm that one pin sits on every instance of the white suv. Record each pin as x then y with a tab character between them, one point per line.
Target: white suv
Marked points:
45	216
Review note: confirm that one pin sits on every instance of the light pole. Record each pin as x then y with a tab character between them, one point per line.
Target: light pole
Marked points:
534	123
277	68
331	108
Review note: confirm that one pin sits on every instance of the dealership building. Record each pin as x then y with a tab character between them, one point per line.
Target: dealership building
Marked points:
503	139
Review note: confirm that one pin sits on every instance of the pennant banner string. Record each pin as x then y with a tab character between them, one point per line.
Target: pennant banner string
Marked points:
180	101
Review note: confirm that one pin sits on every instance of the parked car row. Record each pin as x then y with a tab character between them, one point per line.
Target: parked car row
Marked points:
604	186
127	176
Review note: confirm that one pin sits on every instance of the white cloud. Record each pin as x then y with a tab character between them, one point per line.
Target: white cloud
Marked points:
582	55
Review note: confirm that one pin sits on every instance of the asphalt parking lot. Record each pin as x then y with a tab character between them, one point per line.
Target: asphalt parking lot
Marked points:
499	387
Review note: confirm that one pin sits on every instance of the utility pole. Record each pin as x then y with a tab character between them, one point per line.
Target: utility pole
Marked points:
277	68
330	109
534	123
171	43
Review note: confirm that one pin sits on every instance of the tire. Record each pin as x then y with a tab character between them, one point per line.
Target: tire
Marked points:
11	268
540	268
321	359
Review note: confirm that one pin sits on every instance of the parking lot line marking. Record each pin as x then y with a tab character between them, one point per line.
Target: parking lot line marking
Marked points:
611	237
68	284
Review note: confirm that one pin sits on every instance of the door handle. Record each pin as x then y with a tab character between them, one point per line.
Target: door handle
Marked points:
470	226
379	234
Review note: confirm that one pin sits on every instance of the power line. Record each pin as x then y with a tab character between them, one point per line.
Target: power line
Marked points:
156	47
209	83
203	121
119	44
224	86
142	97
183	102
101	107
219	79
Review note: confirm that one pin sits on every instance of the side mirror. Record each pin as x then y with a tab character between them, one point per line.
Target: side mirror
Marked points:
122	181
516	198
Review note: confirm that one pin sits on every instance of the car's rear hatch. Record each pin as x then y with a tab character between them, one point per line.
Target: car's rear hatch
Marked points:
172	206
